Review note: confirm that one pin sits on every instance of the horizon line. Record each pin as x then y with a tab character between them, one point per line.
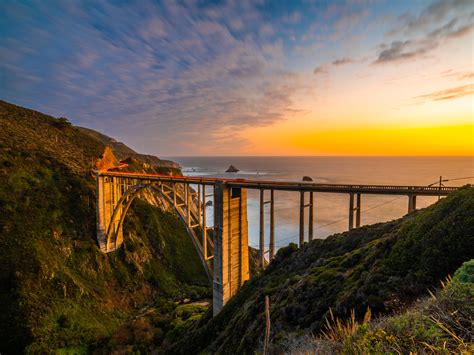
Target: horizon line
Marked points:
317	156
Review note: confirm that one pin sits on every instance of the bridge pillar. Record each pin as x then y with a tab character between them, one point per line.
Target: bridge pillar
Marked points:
231	260
411	203
301	219
109	191
261	251
351	211
311	216
358	210
271	252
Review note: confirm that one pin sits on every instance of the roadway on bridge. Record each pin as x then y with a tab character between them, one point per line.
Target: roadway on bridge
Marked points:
293	185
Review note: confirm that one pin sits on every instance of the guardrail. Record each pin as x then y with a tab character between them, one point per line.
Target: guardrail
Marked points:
293	185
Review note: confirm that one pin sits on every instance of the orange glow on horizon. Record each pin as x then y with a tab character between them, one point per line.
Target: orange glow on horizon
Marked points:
447	140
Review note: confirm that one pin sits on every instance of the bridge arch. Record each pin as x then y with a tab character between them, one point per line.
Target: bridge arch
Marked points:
122	206
115	192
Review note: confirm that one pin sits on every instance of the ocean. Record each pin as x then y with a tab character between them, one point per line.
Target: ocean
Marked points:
331	210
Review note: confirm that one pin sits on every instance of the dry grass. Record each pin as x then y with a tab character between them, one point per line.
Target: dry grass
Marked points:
338	330
443	323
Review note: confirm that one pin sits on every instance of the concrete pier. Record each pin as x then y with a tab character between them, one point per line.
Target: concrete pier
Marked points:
231	260
109	211
411	203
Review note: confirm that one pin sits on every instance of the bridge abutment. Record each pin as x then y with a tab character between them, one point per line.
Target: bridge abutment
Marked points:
231	259
109	191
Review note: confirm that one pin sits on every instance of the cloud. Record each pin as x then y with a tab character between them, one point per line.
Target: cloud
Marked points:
156	73
322	69
416	47
399	50
463	75
195	71
448	94
342	61
350	21
433	14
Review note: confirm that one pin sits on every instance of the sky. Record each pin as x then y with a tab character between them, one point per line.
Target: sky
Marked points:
184	78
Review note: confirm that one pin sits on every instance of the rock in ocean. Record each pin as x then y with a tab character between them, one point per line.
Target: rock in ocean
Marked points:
232	169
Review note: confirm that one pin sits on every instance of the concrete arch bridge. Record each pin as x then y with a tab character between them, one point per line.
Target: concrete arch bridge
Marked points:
225	255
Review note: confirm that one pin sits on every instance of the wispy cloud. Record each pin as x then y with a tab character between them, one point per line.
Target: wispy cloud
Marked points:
202	72
434	14
422	34
322	69
170	68
448	94
410	49
342	61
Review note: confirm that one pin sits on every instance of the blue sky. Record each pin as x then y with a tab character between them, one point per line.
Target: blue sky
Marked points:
192	77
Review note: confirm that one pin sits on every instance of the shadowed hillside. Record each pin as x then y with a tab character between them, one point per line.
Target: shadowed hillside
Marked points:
58	291
385	266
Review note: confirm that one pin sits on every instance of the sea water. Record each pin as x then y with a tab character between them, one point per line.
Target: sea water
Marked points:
330	209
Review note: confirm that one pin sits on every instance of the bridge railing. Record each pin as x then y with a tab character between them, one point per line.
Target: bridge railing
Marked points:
296	186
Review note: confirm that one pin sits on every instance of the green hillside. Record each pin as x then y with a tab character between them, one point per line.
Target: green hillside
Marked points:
58	291
386	267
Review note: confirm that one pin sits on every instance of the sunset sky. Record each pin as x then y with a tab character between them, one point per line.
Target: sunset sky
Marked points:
249	77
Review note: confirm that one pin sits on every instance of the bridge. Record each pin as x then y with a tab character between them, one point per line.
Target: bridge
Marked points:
223	247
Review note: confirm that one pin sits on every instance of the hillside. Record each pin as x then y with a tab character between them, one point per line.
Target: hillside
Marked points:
439	323
58	291
385	266
123	152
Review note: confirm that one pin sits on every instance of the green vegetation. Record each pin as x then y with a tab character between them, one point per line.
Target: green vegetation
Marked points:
440	324
385	267
58	291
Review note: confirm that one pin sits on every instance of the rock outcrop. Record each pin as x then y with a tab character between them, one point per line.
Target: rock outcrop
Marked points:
232	169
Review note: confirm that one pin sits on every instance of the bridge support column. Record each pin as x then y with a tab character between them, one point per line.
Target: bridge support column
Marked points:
351	211
301	218
188	205
411	203
204	221
271	252
261	252
107	196
358	202
310	216
231	260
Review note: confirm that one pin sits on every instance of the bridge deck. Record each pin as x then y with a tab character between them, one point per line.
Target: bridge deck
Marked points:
292	185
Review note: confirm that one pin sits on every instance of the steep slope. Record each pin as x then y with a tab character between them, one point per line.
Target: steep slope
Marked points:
440	323
384	266
57	290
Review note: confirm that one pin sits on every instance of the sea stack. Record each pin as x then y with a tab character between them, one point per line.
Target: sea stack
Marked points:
232	169
307	178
